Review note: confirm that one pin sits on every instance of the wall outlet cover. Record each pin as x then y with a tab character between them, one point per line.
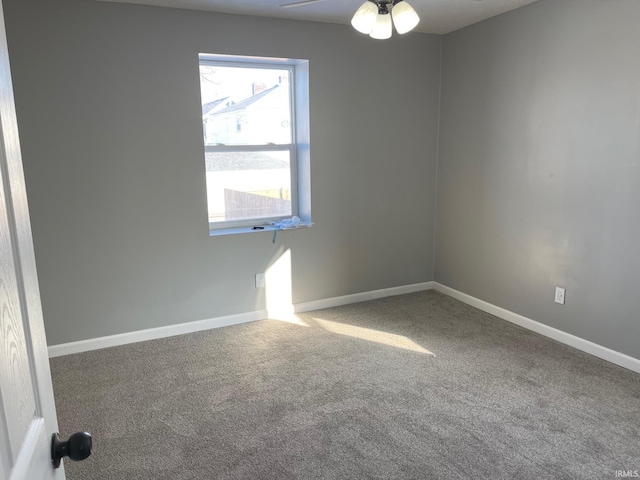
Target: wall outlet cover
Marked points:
259	280
560	295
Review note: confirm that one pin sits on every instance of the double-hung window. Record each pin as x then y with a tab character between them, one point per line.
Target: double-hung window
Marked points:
255	124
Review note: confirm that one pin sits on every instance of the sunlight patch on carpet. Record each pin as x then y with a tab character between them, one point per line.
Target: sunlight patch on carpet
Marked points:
383	338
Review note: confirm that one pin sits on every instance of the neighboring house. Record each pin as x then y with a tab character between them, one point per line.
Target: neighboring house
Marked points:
208	109
261	118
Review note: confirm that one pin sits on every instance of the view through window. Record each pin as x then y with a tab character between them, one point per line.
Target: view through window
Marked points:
249	137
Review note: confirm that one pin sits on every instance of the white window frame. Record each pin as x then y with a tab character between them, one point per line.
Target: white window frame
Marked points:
298	148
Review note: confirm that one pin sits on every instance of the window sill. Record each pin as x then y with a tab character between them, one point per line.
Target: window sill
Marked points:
262	228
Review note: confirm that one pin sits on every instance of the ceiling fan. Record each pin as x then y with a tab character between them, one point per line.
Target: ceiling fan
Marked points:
374	16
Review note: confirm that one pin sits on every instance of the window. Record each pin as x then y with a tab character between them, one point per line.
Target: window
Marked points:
255	118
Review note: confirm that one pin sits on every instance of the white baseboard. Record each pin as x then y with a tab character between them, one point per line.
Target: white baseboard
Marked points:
594	349
361	297
160	332
181	328
153	333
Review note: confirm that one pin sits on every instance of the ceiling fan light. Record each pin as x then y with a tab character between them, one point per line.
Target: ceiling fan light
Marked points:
382	29
405	17
365	17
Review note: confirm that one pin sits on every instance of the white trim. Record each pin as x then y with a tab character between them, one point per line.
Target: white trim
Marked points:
563	337
361	297
181	328
599	351
153	333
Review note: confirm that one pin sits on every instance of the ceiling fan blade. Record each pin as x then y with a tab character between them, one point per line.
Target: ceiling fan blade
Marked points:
299	4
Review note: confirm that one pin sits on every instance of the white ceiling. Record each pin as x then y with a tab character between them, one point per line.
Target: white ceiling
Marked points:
437	16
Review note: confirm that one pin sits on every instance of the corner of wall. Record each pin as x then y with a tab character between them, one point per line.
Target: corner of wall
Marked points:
435	193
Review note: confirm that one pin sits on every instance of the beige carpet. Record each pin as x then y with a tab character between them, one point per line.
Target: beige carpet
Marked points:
415	386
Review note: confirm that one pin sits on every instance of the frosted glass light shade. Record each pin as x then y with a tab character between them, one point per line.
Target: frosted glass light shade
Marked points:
405	17
365	17
382	29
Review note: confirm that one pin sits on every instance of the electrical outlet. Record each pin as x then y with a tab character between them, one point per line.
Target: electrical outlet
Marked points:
560	295
259	280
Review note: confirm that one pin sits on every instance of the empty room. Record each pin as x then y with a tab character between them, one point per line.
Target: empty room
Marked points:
325	239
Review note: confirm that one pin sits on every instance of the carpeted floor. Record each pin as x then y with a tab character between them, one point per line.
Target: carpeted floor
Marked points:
356	394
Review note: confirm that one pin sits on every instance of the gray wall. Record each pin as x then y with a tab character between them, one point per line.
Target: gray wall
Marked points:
107	97
538	177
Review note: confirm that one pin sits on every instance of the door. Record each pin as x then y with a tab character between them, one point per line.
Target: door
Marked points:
27	410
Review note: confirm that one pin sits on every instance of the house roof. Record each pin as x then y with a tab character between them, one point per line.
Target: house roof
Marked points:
246	102
207	107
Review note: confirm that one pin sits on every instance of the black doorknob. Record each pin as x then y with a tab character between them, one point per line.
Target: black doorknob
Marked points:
77	448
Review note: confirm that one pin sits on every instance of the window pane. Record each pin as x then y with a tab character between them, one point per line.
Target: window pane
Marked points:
245	106
248	185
